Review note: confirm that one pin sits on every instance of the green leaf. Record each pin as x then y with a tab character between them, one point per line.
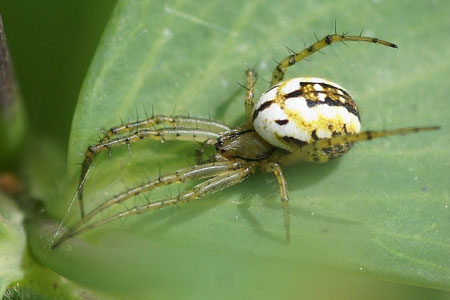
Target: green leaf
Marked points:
12	242
381	210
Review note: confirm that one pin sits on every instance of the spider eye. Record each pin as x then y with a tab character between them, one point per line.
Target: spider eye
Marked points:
219	144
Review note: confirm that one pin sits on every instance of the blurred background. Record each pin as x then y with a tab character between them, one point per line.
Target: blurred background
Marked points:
51	44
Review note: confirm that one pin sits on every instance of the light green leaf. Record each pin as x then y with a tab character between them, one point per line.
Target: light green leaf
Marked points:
12	242
380	210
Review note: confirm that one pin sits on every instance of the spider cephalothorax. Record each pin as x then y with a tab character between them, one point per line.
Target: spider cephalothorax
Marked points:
301	119
243	143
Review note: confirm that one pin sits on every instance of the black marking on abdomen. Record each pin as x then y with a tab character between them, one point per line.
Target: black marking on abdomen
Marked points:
304	83
336	150
282	122
345	128
293	140
349	107
314	135
294	94
329	86
262	107
324	86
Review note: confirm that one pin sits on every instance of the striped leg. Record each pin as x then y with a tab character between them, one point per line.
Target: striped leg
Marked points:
282	183
278	73
166	122
303	153
251	80
181	134
226	175
153	122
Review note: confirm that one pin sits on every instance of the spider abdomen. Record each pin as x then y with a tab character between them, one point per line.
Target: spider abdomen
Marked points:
298	111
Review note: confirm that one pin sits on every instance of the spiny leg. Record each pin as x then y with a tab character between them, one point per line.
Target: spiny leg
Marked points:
167	122
251	80
182	175
282	183
181	134
208	187
278	73
306	151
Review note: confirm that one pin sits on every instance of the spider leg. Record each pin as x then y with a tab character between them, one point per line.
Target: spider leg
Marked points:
183	175
282	183
226	175
167	122
278	73
251	80
306	151
181	134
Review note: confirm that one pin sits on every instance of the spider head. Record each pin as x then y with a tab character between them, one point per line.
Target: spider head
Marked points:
243	143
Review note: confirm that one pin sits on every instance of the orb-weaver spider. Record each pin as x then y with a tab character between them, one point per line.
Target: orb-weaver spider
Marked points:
301	119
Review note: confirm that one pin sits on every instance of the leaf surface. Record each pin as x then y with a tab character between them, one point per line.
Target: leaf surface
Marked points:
380	210
12	243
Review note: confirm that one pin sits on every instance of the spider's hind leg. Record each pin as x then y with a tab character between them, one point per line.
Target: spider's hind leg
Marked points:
304	153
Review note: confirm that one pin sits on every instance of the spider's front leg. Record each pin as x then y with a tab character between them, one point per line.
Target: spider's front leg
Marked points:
282	183
278	73
199	132
161	121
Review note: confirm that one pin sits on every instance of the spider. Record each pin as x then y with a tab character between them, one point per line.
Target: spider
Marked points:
300	119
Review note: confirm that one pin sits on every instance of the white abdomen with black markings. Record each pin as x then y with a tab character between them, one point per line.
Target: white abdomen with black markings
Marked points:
300	110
